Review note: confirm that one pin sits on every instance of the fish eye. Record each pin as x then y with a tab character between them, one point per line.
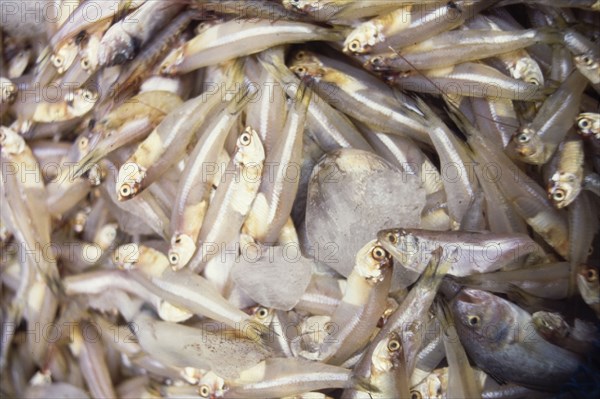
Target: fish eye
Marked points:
57	60
378	253
125	191
300	55
415	395
173	258
262	312
393	345
523	138
119	59
558	195
354	45
377	60
587	60
591	275
245	139
584	123
88	95
301	70
85	63
204	391
83	142
473	320
392	238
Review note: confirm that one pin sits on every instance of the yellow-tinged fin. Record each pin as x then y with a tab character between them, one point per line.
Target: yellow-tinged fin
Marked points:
439	265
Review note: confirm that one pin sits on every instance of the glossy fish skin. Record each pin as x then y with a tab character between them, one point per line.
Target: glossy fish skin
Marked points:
232	201
388	369
238	38
526	197
535	142
498	337
273	203
408	319
361	96
588	124
589	287
283	377
127	36
361	306
565	184
468	79
408	25
412	248
193	190
455	47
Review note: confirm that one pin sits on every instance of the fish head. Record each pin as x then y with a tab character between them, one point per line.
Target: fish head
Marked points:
388	354
211	386
90	55
529	146
81	101
116	47
10	141
171	62
404	246
182	249
9	91
249	150
589	285
563	188
432	387
363	38
63	58
482	316
588	123
589	66
308	71
378	63
106	235
372	261
261	315
129	180
527	70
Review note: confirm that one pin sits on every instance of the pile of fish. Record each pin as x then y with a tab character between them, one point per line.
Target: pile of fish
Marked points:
300	199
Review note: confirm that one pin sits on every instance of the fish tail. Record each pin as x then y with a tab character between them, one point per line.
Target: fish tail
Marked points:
241	99
549	35
363	384
438	267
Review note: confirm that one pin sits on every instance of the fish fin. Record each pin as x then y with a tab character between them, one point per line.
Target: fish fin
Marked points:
303	96
437	268
258	332
363	384
241	99
443	314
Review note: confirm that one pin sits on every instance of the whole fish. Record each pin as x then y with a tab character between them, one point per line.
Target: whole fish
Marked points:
499	337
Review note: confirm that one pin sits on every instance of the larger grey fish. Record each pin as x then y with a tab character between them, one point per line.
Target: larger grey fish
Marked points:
500	338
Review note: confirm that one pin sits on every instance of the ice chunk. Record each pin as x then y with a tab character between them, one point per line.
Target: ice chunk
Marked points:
352	195
276	277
